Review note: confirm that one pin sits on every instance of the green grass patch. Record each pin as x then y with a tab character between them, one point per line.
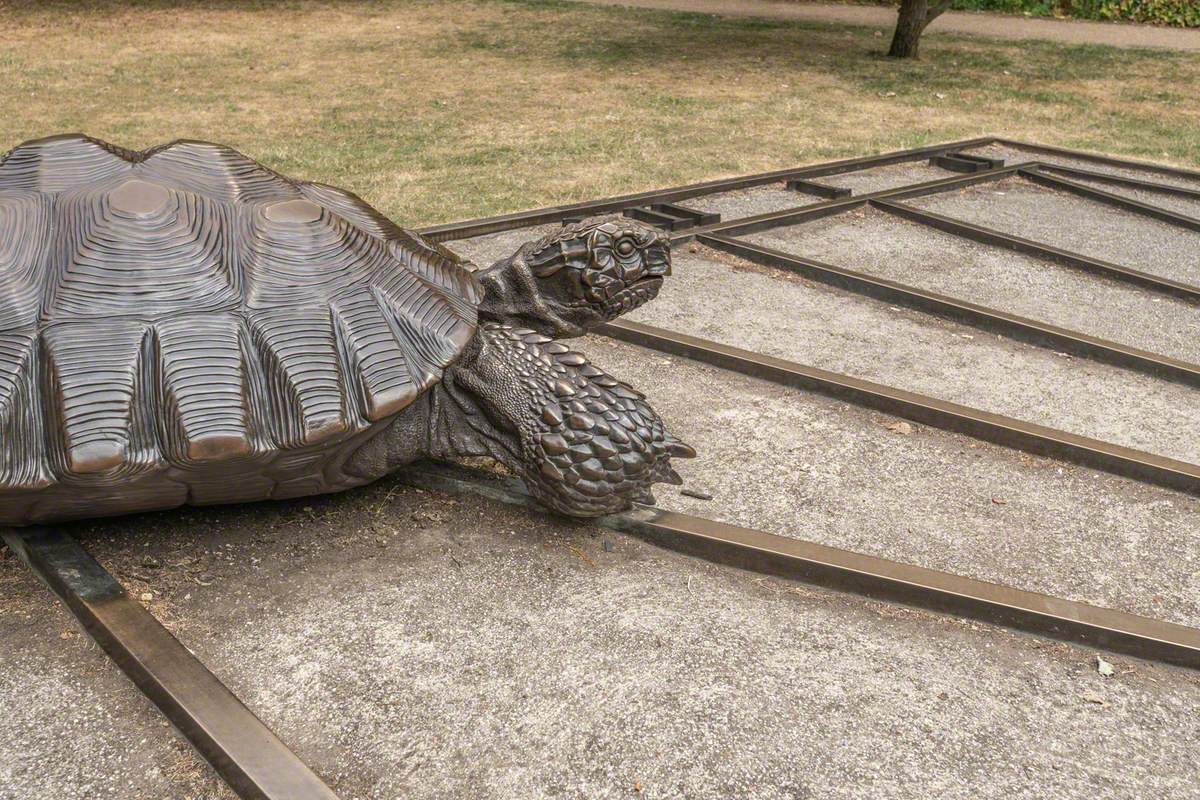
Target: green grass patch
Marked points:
443	110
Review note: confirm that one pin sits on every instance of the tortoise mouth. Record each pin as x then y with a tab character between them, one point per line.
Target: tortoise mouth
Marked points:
638	293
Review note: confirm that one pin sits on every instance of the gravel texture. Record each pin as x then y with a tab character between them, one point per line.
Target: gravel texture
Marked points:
887	246
486	250
773	312
1091	228
805	465
1013	155
1180	205
71	726
879	178
409	645
750	202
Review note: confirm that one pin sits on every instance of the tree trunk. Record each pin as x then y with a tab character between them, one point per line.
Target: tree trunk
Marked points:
915	16
909	26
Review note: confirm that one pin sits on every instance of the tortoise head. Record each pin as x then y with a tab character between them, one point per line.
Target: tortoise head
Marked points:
578	277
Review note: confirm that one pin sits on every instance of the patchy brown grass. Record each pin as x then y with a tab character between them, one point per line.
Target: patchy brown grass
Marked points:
444	110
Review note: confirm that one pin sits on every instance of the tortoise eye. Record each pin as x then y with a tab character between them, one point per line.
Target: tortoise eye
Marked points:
625	247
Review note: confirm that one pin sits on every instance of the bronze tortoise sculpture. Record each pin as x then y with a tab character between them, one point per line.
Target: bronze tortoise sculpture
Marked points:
184	325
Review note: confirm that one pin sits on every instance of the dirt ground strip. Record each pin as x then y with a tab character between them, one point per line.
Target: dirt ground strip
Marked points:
1000	26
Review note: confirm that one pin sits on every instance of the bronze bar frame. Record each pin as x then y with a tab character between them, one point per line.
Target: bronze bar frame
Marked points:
969	230
857	573
255	763
934	412
1024	329
504	222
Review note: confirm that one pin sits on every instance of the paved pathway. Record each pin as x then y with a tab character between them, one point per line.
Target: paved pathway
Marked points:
1000	26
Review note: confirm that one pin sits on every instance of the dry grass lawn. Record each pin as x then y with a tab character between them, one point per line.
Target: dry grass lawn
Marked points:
444	110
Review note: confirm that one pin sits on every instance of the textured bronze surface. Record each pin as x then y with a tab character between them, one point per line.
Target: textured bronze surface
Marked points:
183	325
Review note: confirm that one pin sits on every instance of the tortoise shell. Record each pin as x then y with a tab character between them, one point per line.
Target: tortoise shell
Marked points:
185	305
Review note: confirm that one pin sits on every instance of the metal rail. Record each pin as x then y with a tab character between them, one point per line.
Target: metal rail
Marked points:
1096	158
1154	283
793	216
858	573
997	428
466	229
1120	180
818	189
1027	170
540	216
1116	200
243	751
993	320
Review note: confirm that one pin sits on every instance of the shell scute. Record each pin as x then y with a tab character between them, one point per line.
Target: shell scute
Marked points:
58	163
204	413
95	371
290	256
21	460
386	384
215	171
141	249
25	229
299	352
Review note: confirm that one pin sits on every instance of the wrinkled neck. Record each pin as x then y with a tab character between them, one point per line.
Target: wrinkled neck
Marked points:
512	296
